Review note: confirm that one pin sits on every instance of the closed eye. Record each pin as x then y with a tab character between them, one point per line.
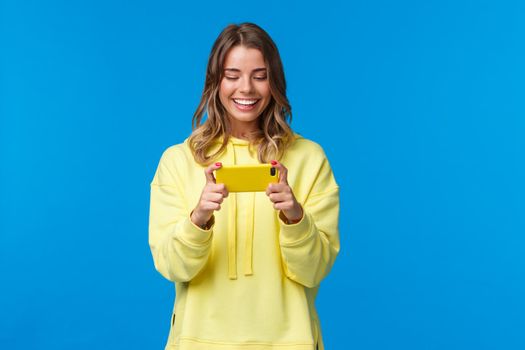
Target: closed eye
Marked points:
256	78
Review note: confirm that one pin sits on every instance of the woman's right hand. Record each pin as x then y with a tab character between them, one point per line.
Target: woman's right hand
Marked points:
211	198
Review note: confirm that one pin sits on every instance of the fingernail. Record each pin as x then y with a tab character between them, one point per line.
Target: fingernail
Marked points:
218	164
273	162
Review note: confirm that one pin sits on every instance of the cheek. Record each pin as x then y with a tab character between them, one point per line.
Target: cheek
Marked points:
223	95
225	89
264	90
266	94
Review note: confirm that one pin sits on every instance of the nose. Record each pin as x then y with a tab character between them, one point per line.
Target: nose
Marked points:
246	85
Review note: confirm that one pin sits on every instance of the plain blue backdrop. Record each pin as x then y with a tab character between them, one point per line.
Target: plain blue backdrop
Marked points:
419	106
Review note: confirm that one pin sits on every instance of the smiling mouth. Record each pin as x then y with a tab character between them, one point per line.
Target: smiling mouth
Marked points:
245	102
245	105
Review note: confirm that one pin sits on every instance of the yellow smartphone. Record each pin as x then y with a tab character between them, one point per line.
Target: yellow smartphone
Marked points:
247	178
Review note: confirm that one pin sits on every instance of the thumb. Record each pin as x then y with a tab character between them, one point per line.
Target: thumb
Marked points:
283	172
208	172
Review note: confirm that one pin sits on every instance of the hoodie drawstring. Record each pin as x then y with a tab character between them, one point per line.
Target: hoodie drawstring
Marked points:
232	238
232	228
248	257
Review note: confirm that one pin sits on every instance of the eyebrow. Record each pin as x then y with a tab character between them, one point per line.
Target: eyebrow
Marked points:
238	70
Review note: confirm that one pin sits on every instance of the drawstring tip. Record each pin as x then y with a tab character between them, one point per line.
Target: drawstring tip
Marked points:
233	277
232	270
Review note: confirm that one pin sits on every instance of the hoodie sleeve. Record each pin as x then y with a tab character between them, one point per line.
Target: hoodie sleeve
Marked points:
309	247
180	248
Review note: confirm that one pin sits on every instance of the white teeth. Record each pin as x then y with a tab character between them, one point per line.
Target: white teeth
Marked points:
245	102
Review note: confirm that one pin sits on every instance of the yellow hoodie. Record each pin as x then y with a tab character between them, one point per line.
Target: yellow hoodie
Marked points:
250	281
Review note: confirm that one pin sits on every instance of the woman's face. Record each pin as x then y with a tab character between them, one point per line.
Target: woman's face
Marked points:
244	90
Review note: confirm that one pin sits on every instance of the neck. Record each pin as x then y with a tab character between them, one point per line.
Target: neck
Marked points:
244	130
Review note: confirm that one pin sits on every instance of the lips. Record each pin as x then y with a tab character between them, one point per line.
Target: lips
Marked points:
245	104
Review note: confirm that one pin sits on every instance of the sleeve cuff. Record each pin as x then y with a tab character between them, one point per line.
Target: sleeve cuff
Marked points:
294	234
194	234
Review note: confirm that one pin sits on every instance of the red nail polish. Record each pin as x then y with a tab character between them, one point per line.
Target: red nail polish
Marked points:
273	162
218	164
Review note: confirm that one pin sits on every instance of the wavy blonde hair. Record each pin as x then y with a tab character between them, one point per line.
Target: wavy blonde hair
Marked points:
274	134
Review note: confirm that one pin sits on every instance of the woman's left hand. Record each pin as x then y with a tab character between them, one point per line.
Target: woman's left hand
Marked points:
282	196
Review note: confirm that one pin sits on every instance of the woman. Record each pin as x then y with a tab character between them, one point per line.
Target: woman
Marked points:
247	265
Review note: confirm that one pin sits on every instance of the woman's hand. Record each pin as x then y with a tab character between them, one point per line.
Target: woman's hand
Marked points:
282	196
211	198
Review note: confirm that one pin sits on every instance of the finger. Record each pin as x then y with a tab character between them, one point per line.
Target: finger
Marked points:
208	172
278	187
279	197
211	206
213	197
219	188
283	172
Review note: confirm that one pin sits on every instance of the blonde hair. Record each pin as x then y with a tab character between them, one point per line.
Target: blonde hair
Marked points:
274	134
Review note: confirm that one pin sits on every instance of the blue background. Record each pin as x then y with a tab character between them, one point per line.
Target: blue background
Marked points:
418	105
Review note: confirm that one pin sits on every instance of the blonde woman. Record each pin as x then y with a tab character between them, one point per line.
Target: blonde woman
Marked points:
247	265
